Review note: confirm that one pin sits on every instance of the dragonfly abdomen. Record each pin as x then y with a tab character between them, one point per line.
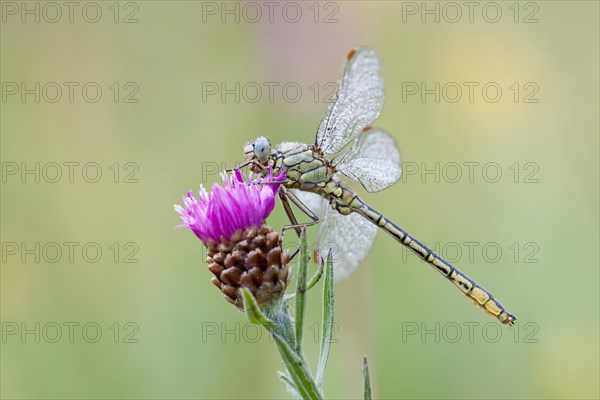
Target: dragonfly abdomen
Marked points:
480	296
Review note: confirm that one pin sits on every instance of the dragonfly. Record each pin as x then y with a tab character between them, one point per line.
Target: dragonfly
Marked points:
347	144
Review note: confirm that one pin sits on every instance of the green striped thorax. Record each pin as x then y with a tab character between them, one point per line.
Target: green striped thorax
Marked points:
304	165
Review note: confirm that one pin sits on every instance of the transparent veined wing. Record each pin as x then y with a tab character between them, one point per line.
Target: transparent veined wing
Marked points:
349	237
317	204
358	102
374	160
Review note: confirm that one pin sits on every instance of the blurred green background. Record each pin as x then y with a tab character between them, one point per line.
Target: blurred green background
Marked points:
166	332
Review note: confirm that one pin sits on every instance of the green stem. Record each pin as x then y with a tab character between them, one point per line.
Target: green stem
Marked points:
288	334
301	291
283	324
298	371
281	327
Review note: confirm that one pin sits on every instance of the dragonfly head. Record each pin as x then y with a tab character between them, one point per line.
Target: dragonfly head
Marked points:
259	150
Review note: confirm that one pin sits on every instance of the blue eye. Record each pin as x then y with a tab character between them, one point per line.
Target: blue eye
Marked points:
262	148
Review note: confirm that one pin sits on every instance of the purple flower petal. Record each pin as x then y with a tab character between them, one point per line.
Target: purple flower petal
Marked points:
238	204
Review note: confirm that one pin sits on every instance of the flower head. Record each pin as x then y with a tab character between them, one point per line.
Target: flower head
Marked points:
236	205
243	251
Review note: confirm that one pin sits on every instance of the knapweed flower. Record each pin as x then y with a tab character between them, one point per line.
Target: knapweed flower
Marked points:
242	250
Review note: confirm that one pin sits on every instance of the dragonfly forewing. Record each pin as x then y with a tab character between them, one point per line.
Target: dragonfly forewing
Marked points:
358	102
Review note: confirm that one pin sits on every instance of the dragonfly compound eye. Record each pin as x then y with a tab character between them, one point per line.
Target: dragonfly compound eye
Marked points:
262	148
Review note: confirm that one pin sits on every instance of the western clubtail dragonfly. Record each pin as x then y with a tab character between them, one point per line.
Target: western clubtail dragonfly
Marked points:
312	180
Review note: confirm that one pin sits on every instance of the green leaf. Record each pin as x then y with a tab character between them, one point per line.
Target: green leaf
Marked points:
316	278
286	379
299	373
290	385
253	311
301	291
327	320
288	297
366	381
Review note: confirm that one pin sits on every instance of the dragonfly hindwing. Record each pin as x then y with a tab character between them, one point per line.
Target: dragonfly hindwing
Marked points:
349	237
374	160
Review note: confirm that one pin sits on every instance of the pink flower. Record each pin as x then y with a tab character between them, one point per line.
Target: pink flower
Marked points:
235	205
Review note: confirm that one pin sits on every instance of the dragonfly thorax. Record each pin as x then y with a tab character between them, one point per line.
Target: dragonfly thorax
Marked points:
304	166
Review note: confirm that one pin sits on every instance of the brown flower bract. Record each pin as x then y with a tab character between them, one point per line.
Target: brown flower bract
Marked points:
253	259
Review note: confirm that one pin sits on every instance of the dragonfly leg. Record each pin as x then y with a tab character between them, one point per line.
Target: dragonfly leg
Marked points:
290	213
298	227
293	220
230	170
286	196
285	193
300	205
272	182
